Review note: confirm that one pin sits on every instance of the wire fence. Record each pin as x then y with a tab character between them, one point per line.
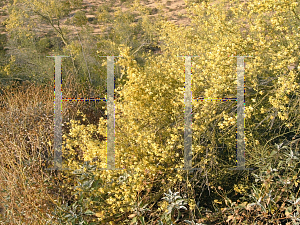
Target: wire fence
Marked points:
240	135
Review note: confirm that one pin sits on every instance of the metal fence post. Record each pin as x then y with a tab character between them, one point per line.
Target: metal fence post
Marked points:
240	133
240	115
57	115
188	134
110	115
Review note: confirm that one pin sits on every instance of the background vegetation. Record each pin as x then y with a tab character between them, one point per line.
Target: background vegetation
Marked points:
149	110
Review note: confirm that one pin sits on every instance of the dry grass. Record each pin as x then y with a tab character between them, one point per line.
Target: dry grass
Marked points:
27	129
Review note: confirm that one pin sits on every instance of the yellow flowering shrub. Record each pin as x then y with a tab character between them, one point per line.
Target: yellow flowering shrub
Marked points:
149	125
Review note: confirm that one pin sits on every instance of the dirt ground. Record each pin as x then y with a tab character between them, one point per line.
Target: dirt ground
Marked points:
174	10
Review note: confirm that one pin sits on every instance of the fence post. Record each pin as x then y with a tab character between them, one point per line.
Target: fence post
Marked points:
240	115
188	134
240	133
110	115
57	115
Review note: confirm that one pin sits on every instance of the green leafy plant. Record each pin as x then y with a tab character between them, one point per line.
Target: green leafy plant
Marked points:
139	211
176	202
79	211
274	196
80	18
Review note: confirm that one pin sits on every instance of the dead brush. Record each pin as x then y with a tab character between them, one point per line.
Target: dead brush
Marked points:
27	131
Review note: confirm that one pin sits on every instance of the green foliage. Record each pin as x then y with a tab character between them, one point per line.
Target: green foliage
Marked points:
44	44
24	17
3	40
80	212
3	58
275	193
80	18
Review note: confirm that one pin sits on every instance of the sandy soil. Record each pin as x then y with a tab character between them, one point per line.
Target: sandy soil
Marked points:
171	8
